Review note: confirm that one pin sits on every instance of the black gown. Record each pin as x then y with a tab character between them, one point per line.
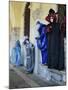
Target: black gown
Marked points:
54	47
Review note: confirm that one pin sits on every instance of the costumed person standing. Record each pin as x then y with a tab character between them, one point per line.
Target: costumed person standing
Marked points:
42	41
30	55
16	54
53	40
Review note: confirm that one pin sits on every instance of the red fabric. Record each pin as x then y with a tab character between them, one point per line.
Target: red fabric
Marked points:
49	28
47	18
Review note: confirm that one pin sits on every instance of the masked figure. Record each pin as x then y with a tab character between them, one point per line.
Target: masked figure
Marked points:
16	54
53	29
42	41
30	56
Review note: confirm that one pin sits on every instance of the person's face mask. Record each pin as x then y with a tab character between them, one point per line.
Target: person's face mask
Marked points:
51	19
27	41
37	26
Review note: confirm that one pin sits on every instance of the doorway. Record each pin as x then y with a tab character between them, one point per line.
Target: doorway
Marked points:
27	20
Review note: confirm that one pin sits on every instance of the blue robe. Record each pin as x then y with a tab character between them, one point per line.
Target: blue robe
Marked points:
42	42
16	54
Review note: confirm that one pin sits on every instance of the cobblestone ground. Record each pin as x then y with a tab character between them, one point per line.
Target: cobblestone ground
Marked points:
16	81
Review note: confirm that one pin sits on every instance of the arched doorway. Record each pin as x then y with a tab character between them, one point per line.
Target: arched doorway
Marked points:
27	20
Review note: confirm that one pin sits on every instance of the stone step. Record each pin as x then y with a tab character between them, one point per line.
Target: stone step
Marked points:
54	75
58	76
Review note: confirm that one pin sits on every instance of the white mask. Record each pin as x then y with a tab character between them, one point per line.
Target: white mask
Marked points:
51	19
27	41
37	26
